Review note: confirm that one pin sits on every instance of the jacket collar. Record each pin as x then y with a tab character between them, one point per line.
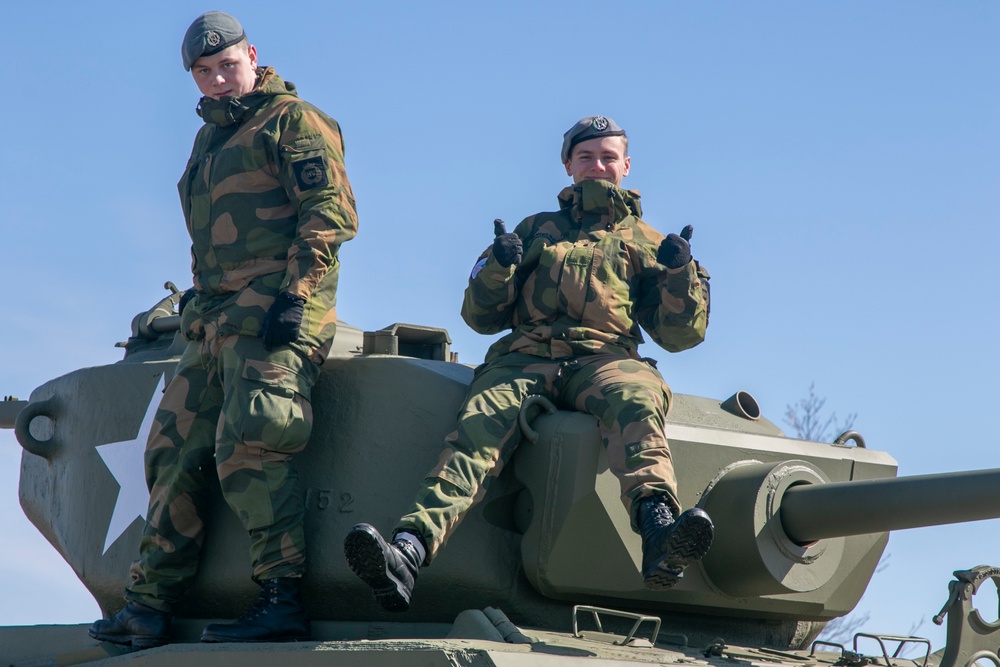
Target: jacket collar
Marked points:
233	110
599	203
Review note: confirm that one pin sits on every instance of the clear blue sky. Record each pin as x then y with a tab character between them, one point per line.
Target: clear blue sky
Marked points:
840	163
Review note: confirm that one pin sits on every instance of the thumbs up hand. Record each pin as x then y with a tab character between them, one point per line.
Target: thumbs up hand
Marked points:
507	248
675	251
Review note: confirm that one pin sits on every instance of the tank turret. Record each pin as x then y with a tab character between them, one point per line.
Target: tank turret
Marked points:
801	525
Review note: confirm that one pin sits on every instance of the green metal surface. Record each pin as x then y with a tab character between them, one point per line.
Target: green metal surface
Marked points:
798	537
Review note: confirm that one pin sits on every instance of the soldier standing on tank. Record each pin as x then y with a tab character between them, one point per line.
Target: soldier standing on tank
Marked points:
267	204
574	286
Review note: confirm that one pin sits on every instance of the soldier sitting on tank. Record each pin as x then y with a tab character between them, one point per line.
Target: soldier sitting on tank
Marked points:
267	204
574	286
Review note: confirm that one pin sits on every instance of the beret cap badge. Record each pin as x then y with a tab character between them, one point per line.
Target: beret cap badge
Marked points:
600	123
213	38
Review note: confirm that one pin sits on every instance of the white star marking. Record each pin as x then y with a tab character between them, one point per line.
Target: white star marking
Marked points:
125	461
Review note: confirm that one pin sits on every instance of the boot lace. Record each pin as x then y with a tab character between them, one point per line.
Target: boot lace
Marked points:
267	597
659	511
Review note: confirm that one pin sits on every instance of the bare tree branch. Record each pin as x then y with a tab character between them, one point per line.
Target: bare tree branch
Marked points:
807	420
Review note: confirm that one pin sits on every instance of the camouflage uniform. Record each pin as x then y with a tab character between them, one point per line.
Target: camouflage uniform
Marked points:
588	280
267	204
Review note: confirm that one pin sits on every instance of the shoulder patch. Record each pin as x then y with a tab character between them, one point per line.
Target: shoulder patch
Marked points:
310	173
477	268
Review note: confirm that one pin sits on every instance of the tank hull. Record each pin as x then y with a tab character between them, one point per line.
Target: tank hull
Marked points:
379	426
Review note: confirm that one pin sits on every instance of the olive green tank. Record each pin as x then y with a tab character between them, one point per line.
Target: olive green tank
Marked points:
544	571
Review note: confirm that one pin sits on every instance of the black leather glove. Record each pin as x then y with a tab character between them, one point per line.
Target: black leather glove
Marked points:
283	321
507	248
185	299
675	251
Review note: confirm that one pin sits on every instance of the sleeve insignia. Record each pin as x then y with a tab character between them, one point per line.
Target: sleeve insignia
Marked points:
310	173
477	268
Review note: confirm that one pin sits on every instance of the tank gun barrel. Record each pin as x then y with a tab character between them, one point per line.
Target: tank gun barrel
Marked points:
811	512
165	324
9	409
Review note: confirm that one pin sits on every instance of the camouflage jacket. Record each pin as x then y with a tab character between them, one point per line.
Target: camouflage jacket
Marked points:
588	280
267	204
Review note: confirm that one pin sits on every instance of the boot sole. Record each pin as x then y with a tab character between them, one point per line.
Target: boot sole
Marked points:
364	554
689	542
131	640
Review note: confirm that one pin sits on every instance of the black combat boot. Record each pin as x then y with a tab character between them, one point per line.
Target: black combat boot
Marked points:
276	616
669	546
136	625
390	569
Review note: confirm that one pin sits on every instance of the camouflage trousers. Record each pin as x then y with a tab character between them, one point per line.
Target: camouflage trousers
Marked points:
628	397
233	416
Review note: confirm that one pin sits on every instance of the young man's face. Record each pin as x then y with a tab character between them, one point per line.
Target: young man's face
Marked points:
231	72
602	157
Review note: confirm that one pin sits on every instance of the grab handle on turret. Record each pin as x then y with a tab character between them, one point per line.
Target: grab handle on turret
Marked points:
49	408
530	434
851	435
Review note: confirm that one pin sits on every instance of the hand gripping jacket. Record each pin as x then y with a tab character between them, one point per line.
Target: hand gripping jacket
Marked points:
267	204
589	279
